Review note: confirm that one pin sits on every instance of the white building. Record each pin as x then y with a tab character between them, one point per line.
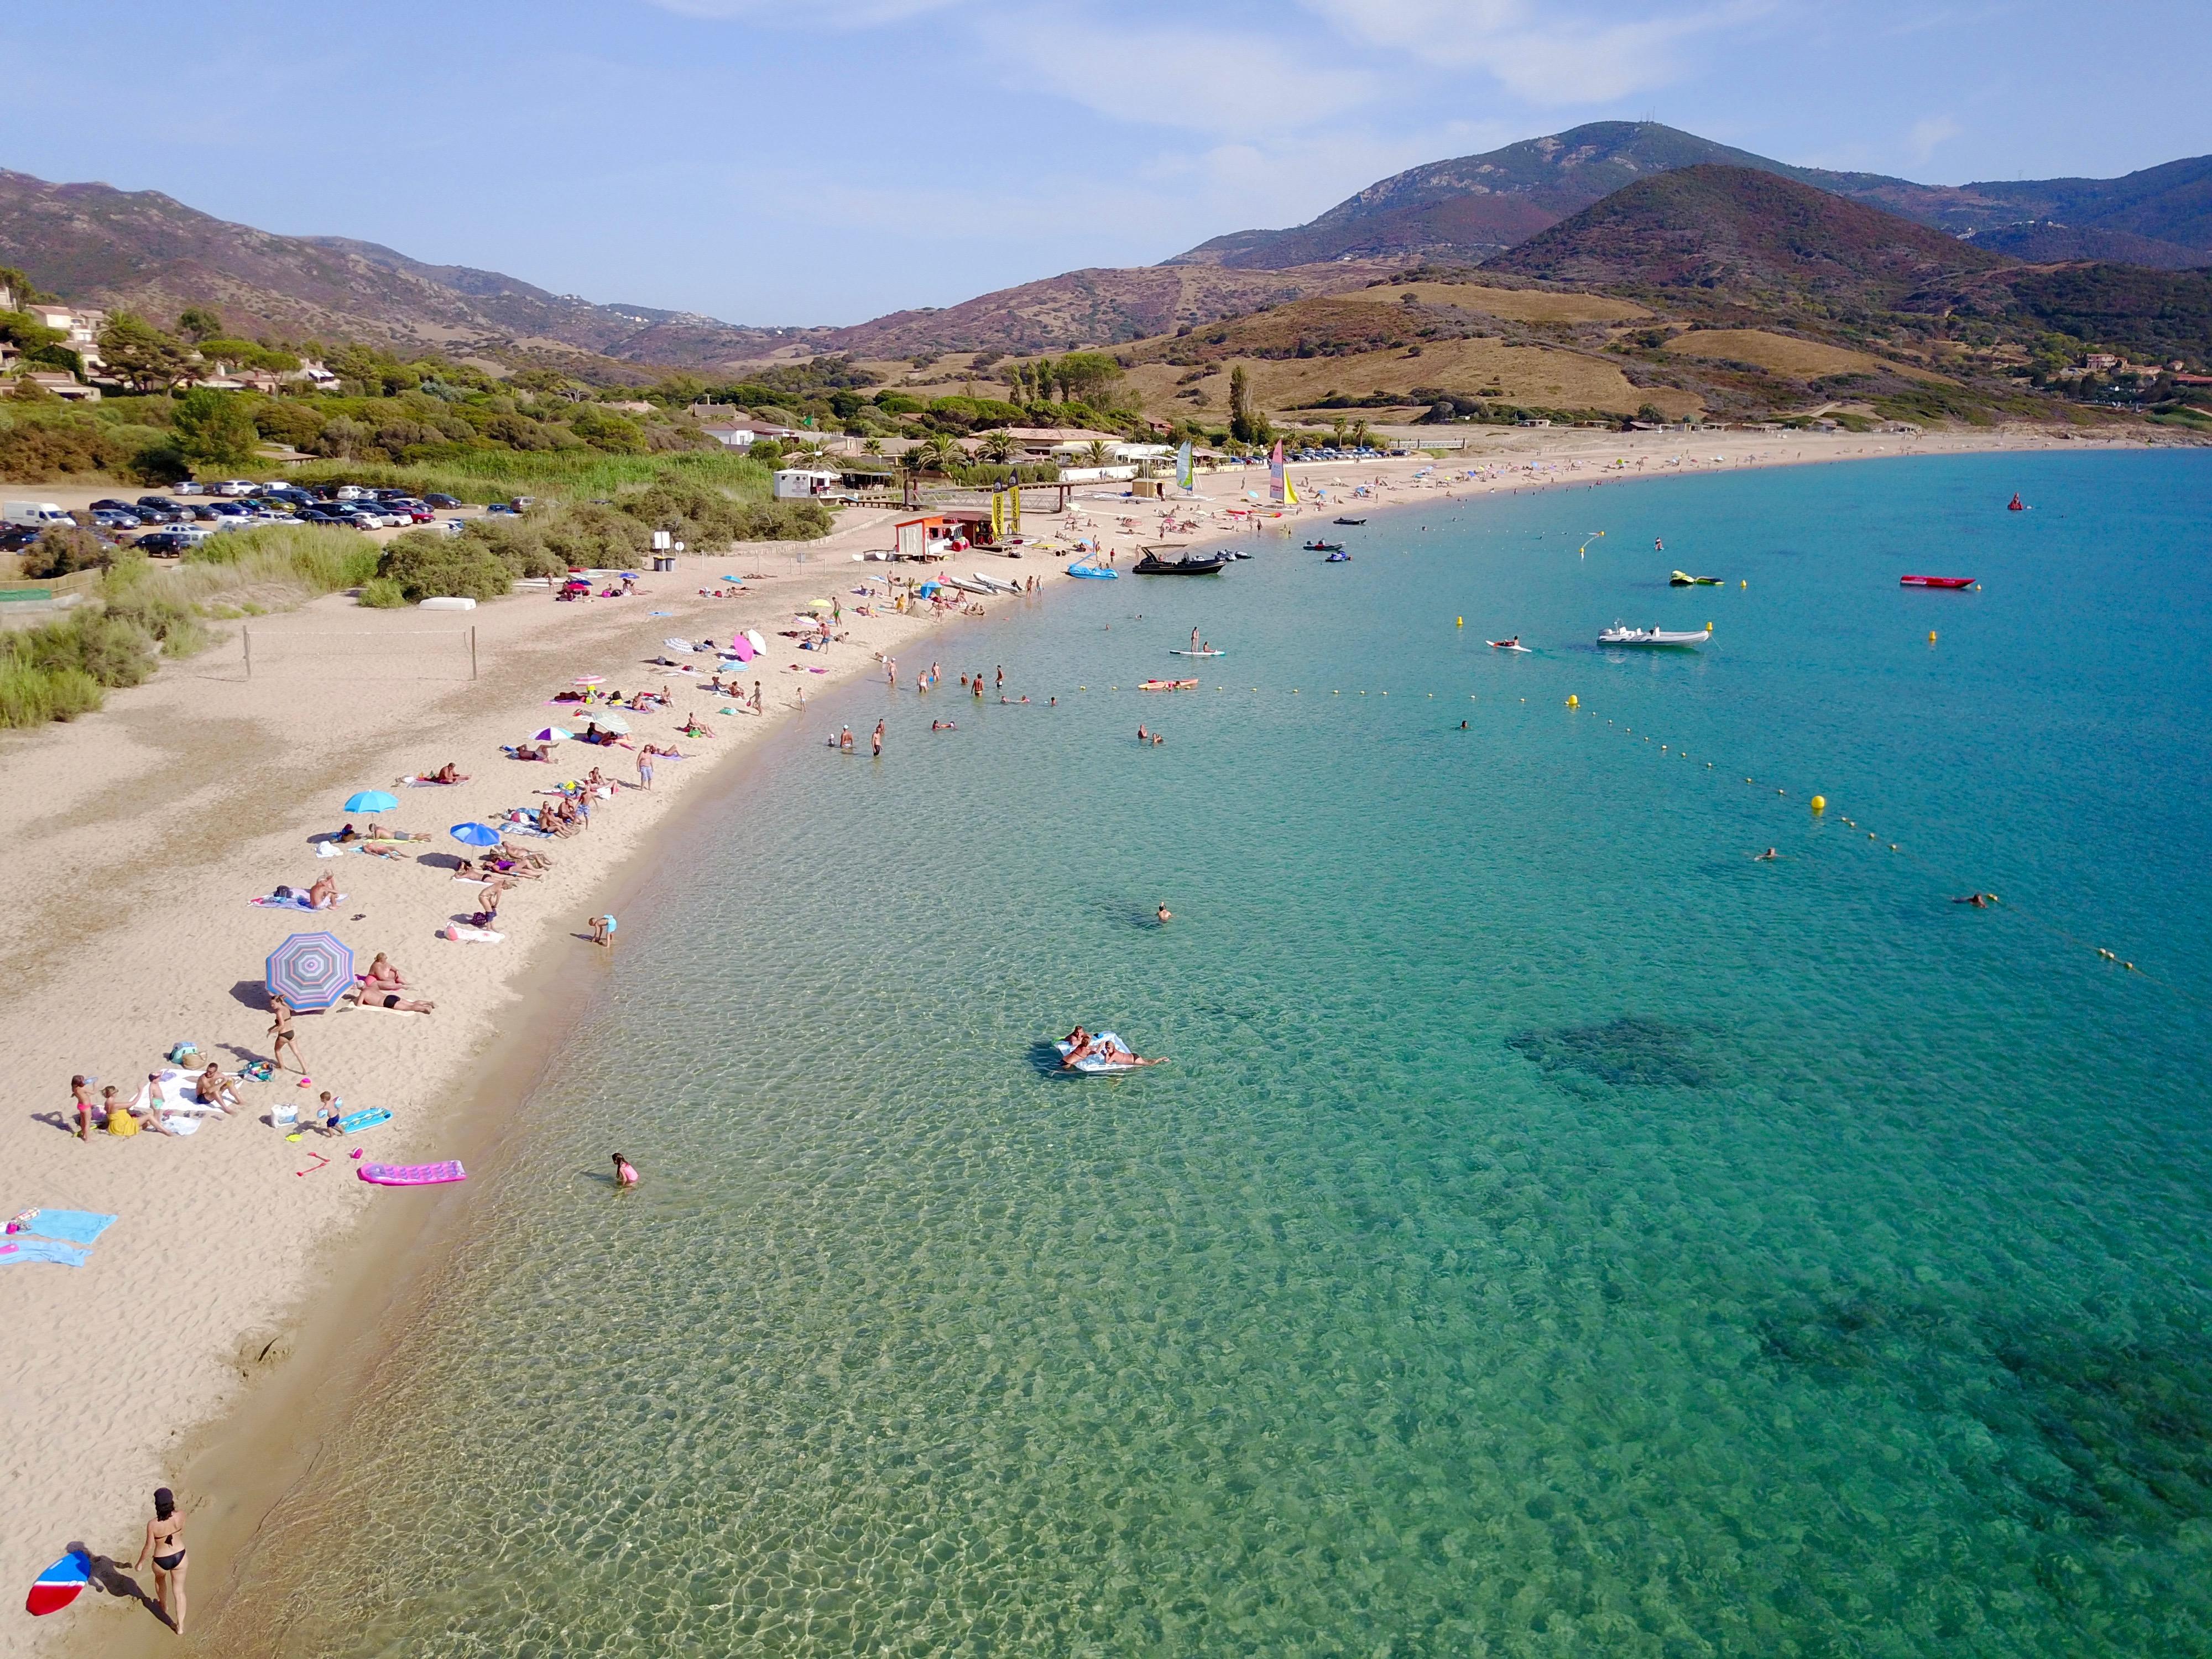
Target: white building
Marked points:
804	484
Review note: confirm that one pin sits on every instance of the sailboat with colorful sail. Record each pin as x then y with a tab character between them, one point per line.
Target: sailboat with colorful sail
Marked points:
1280	488
1185	470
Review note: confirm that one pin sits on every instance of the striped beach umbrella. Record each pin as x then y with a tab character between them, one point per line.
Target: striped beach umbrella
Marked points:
310	971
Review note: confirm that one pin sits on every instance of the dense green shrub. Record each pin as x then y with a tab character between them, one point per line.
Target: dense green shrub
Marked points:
32	696
62	548
162	619
591	534
381	594
427	564
38	449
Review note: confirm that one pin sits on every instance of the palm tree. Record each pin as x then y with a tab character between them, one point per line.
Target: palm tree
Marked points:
873	446
1336	429
911	466
943	452
1095	452
1360	435
1002	447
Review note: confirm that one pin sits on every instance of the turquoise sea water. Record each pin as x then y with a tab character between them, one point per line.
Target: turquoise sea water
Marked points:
1556	1232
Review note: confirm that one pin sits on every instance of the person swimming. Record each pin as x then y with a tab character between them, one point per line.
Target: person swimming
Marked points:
1762	858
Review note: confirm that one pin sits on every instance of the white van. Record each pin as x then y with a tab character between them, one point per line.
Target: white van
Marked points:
34	513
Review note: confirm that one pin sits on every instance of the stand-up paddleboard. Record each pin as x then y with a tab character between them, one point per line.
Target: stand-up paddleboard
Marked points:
1198	654
413	1175
59	1584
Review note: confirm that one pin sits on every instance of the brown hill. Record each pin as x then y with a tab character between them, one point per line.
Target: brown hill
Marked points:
1092	307
100	245
1750	234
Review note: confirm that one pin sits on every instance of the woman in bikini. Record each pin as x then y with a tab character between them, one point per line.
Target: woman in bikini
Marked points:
280	1036
165	1542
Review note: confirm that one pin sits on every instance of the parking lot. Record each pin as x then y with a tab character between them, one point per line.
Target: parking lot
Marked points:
166	520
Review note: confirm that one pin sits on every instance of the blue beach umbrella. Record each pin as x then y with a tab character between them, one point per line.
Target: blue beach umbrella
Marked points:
310	971
371	801
475	834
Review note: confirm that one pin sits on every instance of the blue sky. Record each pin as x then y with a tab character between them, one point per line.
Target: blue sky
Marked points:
824	160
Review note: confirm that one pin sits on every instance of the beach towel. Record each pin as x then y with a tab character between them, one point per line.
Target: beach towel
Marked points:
74	1226
296	901
461	933
19	1248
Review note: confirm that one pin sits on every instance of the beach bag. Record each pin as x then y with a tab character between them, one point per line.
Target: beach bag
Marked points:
260	1071
183	1052
283	892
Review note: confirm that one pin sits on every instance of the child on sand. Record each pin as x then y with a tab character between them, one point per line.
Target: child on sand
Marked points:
603	930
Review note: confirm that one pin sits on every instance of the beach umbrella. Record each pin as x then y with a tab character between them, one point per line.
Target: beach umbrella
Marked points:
753	638
589	679
817	604
742	649
614	723
552	734
475	834
309	970
371	801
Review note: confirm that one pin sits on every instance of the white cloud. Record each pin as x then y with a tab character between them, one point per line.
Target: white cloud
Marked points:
1928	133
1548	56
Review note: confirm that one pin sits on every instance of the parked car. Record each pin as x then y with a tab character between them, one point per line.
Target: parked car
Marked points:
109	504
105	520
351	493
189	487
171	542
204	512
414	512
236	487
228	510
442	502
502	508
16	537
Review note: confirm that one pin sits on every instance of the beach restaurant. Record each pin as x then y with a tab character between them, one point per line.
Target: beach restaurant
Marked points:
948	529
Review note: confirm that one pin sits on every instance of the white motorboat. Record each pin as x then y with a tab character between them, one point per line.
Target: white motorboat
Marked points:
1618	634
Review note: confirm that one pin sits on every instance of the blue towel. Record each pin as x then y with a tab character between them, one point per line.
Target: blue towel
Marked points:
77	1226
26	1248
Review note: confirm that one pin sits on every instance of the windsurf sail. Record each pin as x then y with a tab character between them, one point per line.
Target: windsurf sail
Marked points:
1281	489
1185	473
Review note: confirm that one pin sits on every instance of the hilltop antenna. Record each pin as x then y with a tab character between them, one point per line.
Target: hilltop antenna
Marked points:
1650	118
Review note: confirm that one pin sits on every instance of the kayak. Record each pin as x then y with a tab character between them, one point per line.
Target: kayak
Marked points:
1618	634
1338	557
1513	644
1935	582
1683	579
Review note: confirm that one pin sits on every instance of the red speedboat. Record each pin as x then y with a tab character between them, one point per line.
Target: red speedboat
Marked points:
1935	582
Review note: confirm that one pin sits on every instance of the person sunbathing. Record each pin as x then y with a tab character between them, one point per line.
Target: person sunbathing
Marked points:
383	975
448	773
216	1089
324	895
394	1001
692	728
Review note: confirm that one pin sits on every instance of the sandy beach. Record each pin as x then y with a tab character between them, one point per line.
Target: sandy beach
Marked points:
152	825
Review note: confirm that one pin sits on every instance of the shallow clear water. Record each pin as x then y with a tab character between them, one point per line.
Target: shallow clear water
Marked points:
1555	1233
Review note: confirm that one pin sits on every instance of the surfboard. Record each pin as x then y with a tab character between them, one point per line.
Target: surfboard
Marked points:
59	1584
412	1175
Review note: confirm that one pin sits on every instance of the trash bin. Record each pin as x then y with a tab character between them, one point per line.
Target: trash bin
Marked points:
662	562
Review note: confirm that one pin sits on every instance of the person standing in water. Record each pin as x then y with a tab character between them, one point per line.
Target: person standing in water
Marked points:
625	1176
876	742
165	1542
1164	915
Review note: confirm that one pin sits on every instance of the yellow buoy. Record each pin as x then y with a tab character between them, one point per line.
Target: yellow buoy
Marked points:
1931	636
1462	623
1819	803
1573	701
1741	585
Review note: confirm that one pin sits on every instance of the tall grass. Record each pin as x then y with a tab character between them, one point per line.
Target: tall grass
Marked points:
491	475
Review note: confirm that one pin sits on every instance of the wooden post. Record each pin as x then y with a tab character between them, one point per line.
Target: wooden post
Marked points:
472	651
246	634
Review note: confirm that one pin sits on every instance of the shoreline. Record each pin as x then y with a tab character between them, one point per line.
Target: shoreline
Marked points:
270	1346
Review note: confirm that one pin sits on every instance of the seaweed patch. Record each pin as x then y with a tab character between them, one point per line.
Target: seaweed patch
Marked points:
1630	1052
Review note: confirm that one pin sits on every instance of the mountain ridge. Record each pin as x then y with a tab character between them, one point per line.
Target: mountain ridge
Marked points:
1473	207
